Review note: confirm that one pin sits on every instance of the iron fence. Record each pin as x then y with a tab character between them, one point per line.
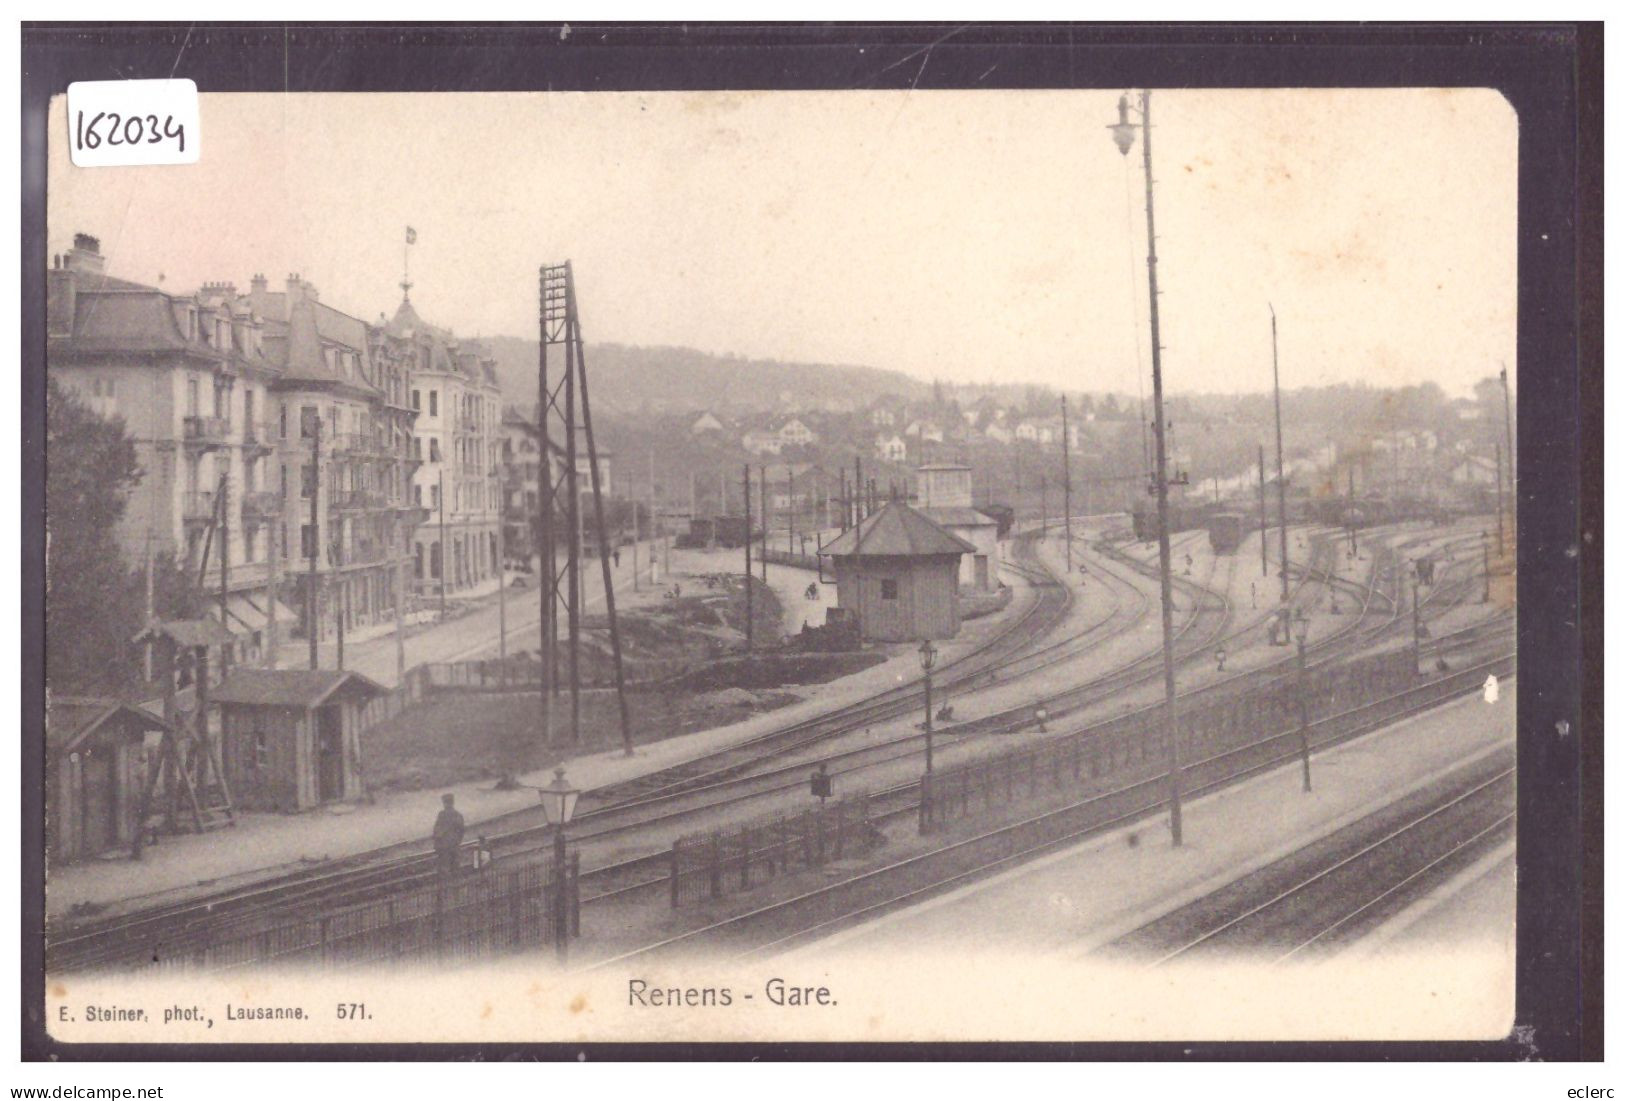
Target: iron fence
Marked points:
471	916
724	861
1209	721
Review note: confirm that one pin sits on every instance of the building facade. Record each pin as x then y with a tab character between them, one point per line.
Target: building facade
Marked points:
266	423
944	491
457	444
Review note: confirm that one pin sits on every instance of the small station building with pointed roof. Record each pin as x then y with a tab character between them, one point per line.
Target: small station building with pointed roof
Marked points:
291	738
898	573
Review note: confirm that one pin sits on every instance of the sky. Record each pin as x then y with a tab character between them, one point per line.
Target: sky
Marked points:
972	236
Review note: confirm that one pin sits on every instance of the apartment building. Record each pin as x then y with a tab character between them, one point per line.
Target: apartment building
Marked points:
264	422
457	446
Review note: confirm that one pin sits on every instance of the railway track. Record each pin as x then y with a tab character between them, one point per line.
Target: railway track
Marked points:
1330	892
791	922
714	781
363	875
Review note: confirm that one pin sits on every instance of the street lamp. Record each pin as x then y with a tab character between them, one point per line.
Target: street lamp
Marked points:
1303	693
1123	136
928	661
559	805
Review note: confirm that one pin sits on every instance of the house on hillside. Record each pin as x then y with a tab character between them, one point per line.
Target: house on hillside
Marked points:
891	449
706	422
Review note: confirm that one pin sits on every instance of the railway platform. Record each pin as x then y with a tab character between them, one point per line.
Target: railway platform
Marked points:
262	846
1059	915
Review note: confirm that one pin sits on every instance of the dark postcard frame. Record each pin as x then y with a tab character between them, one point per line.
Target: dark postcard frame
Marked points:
1550	73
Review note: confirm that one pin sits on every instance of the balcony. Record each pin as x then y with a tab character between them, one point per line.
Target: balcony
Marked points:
359	443
197	507
206	433
260	438
356	500
262	505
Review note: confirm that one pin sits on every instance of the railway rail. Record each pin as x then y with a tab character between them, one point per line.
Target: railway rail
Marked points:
790	922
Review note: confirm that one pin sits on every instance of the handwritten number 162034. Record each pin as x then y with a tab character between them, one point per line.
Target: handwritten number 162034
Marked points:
127	130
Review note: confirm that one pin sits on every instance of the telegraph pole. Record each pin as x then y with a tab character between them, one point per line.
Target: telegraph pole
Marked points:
750	633
1123	133
1280	461
1263	521
1500	508
762	481
1066	481
1512	451
312	603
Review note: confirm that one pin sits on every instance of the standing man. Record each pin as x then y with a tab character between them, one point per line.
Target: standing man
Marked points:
448	836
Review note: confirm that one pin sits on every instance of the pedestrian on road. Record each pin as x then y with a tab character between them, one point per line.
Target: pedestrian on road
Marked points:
448	836
615	556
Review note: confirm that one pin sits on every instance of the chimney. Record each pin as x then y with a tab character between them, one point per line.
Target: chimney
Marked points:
257	284
61	298
86	254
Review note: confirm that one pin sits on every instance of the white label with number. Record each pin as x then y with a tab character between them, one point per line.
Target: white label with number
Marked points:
129	122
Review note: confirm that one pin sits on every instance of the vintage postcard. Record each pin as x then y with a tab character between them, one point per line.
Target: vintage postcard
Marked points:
794	565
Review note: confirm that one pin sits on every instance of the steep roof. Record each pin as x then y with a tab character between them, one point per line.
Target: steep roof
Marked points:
896	530
291	687
69	720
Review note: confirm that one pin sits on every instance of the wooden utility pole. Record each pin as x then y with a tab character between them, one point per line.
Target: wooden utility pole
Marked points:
750	634
1280	460
224	506
790	513
445	551
1066	481
858	485
762	482
1263	520
312	593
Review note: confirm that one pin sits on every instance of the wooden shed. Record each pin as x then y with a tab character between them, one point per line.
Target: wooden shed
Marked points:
291	738
96	771
899	574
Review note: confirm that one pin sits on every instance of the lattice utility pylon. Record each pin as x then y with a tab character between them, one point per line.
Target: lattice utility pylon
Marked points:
558	404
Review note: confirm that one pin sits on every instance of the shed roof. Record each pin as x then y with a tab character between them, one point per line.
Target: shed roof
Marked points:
896	530
187	632
69	720
949	516
291	687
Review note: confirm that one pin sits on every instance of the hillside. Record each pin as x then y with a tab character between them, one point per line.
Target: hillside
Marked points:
627	379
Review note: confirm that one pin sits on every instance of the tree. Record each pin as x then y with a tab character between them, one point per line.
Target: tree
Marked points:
90	469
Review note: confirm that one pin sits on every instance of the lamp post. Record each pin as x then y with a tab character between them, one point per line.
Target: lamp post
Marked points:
559	805
1303	693
1123	135
1484	537
928	660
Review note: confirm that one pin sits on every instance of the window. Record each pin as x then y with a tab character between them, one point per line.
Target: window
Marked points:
434	560
307	480
434	403
309	422
191	397
282	421
417	496
434	451
888	588
434	499
417	563
307	541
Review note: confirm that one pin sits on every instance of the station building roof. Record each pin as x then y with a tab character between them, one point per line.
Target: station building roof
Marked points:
896	531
